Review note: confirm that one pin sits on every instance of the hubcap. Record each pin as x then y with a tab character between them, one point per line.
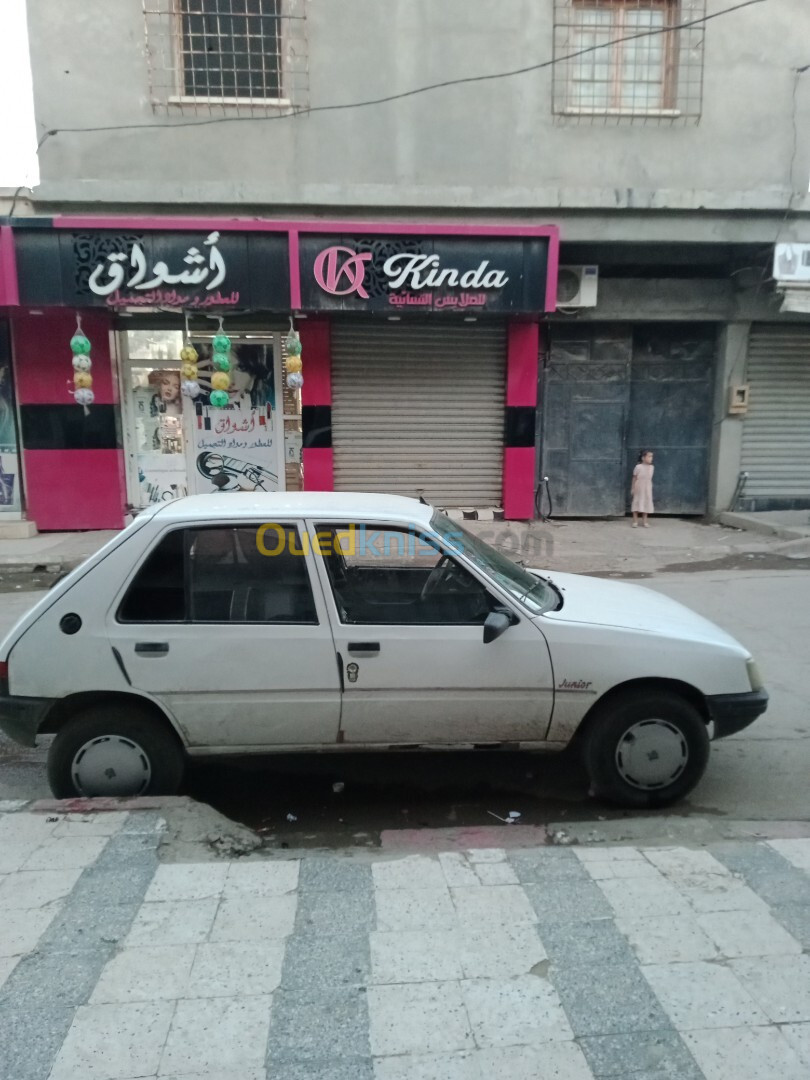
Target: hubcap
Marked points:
651	754
111	765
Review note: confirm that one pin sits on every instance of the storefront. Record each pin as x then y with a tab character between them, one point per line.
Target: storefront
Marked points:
419	352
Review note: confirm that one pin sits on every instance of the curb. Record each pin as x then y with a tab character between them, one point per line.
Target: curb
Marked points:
764	528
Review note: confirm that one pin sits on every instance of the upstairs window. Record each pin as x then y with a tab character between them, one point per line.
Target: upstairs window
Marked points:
625	58
225	56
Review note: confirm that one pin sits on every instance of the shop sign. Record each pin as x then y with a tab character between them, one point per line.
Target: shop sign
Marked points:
433	274
178	270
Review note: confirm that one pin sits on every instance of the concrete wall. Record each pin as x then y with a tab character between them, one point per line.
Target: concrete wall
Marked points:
494	146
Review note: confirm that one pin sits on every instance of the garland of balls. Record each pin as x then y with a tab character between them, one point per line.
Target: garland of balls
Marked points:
221	379
189	387
293	363
82	379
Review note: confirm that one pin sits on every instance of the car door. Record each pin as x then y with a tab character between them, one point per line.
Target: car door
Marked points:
408	628
231	635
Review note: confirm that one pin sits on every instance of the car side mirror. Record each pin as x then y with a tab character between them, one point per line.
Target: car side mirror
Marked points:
496	623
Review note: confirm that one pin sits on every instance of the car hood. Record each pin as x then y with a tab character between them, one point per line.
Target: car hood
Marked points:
631	607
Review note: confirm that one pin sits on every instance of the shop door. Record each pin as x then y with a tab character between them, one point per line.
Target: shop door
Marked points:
418	410
177	446
586	396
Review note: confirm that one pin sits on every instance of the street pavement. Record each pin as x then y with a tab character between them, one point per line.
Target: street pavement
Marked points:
640	961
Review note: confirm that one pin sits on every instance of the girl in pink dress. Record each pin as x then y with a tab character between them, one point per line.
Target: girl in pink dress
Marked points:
641	488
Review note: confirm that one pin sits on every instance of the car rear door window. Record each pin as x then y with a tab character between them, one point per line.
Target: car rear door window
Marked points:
219	574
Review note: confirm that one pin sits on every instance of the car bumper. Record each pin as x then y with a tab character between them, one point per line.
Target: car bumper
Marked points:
21	717
734	712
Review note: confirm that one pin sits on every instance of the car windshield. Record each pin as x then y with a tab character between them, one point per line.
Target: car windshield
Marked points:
534	593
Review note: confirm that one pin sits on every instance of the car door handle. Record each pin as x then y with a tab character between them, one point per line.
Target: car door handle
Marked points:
364	648
152	648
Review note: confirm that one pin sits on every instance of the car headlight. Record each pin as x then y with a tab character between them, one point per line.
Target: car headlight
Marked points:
754	676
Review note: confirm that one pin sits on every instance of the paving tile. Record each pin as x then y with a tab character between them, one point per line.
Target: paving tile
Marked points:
27	828
780	984
334	960
114	884
683	862
747	933
500	953
244	1074
51	979
661	1054
177	922
187	881
7	965
553	900
514	1012
624	868
496	873
414	909
796	920
610	853
66	853
412	872
106	824
703	995
125	850
759	1053
607	1000
82	923
229	968
463	1065
796	852
415	956
35	888
248	917
772	877
669	939
207	1036
13	856
329	874
109	1042
329	1069
540	865
325	1025
597	942
493	906
458	870
486	855
418	1018
798	1035
550	1061
632	897
718	892
21	929
262	878
324	912
29	1045
153	973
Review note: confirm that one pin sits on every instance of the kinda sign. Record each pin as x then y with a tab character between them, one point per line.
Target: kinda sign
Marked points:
340	271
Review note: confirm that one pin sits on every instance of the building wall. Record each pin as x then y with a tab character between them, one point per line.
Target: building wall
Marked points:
492	146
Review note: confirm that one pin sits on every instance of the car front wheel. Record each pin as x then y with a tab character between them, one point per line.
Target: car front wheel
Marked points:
646	749
114	750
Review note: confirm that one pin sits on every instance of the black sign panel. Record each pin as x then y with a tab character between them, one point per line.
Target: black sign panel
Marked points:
409	274
190	271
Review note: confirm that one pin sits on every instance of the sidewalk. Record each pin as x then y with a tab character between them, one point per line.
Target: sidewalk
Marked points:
583	963
606	546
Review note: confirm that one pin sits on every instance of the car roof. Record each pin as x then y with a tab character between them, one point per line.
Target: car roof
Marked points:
267	505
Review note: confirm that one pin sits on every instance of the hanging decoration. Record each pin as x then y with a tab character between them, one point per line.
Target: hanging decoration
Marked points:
221	379
189	387
293	364
82	379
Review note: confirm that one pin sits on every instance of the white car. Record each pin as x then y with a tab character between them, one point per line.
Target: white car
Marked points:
242	623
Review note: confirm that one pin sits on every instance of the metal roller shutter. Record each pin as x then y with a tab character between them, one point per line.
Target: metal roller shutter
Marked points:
776	434
419	409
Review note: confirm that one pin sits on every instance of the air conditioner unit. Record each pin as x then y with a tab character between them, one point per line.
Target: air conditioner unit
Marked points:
791	264
577	286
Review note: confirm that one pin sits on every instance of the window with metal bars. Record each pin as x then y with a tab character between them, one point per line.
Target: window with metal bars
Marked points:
231	49
220	56
628	58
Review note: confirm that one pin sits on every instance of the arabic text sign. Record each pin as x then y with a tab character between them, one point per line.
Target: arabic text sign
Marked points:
194	270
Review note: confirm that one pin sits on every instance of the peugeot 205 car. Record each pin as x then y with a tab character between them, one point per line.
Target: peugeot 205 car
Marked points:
242	624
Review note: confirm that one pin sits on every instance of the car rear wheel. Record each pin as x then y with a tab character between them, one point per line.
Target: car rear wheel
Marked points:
114	750
646	749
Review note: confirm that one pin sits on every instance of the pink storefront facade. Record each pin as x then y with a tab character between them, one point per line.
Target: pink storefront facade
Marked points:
331	279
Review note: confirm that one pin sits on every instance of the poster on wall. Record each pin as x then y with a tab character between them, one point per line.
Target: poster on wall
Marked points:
237	448
157	413
10	497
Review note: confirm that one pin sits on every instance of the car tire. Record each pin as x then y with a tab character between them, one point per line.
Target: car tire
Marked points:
646	749
115	750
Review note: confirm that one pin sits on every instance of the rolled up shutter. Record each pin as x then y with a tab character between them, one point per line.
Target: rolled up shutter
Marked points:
418	409
776	432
